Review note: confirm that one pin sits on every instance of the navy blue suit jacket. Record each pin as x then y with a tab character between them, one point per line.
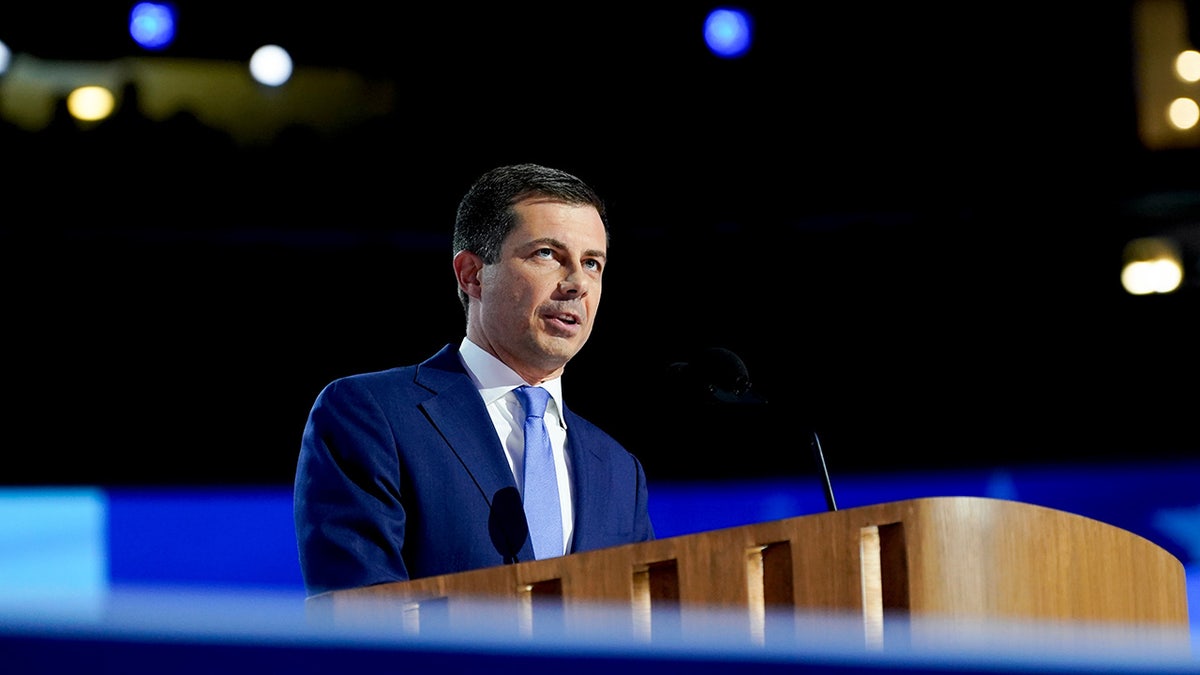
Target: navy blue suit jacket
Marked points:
401	475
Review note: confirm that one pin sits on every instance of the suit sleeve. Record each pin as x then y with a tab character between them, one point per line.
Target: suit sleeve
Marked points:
643	528
348	515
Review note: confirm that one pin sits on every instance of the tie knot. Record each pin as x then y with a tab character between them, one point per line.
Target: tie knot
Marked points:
533	399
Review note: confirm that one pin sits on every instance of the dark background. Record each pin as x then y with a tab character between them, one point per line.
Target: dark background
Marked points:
914	255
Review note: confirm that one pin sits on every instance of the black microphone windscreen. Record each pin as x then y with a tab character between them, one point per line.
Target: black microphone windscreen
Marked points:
506	523
716	374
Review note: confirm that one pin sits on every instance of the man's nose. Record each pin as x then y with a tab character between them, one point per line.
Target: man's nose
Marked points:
575	282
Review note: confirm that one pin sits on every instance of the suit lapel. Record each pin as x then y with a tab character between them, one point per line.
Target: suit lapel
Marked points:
458	414
589	506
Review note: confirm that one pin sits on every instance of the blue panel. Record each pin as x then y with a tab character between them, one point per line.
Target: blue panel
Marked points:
211	536
52	543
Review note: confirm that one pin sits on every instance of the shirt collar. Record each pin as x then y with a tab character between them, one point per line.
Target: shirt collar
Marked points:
494	379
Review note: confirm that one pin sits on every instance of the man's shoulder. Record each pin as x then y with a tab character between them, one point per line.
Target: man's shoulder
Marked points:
432	373
378	384
405	372
374	378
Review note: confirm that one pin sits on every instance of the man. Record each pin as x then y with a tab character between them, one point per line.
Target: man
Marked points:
415	471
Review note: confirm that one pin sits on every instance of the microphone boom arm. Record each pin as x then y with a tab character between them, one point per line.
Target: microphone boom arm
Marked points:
819	456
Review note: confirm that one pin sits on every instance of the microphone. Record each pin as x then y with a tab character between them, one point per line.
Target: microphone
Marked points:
716	375
506	523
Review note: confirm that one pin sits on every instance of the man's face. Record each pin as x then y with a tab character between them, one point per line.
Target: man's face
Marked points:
539	300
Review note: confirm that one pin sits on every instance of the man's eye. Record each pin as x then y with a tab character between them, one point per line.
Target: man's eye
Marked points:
544	253
592	264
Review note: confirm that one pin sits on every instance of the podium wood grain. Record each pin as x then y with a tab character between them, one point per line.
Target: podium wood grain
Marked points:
937	558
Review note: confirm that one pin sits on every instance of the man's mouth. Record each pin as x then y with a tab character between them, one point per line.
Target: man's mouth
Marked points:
565	320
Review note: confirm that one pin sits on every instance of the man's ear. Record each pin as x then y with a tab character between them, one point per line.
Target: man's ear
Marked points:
467	268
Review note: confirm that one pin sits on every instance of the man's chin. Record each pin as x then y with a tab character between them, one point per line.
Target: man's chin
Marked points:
562	348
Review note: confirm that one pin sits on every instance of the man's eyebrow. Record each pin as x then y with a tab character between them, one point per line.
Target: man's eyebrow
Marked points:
551	241
548	240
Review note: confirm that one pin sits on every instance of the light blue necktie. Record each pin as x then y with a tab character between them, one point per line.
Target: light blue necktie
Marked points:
541	484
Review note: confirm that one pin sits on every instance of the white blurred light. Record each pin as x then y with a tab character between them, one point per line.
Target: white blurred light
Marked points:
727	32
271	65
90	103
1152	265
1183	113
1187	65
1154	276
5	57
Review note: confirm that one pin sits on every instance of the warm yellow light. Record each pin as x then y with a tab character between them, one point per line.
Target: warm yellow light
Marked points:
1152	265
90	103
1158	276
1187	65
1183	113
1168	65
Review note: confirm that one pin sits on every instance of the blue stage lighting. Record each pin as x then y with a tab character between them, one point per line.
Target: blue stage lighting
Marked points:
728	32
152	24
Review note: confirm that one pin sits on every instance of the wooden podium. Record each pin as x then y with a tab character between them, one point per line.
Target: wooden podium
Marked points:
938	559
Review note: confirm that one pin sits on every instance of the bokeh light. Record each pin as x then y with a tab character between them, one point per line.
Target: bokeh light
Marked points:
152	25
1152	265
728	32
271	65
90	103
1187	65
1184	113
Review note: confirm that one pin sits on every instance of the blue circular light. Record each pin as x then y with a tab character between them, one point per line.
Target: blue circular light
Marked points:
727	32
152	25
